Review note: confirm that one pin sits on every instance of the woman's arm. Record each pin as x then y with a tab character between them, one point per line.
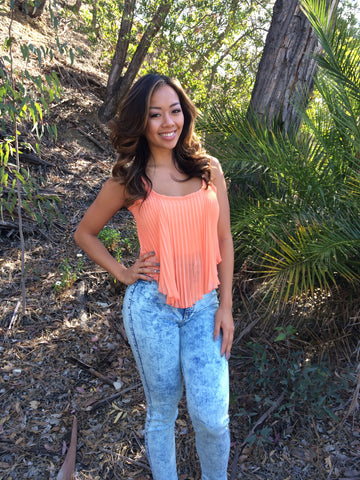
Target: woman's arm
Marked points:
109	200
224	319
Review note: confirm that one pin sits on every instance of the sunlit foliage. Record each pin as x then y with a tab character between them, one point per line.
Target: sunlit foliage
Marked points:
295	200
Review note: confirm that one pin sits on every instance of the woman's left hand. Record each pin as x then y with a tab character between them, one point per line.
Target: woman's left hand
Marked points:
224	321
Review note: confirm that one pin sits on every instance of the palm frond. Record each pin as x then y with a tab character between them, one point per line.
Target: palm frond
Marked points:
295	197
314	256
340	58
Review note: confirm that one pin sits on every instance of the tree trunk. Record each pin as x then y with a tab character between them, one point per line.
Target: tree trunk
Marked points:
119	83
33	11
285	77
77	6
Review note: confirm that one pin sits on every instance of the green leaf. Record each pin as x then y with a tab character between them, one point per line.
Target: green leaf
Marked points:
280	337
25	51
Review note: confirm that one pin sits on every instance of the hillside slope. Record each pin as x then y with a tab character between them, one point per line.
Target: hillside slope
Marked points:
69	357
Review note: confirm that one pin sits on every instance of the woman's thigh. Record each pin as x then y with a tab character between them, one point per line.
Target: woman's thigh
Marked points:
205	370
153	334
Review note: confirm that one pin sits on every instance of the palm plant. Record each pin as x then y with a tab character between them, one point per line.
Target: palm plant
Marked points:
295	198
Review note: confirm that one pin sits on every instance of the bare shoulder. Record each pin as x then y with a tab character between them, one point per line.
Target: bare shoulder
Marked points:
217	170
109	200
113	192
111	184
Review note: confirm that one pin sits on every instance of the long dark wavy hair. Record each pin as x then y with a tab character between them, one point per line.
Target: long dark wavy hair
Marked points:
128	138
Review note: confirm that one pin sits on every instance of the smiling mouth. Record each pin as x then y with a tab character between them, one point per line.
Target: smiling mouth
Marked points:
169	134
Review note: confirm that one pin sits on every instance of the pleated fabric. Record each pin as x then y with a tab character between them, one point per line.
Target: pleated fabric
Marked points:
182	231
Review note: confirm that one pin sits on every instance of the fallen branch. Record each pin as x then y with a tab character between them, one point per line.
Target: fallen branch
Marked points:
92	370
41	192
34	159
28	227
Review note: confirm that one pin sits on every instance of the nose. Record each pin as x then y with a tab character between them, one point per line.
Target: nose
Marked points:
167	119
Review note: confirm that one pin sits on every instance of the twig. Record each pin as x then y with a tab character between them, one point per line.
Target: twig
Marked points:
82	300
139	464
246	330
141	446
113	397
249	327
330	473
355	400
234	463
86	183
18	182
12	321
90	137
128	459
9	446
35	160
239	449
92	370
263	417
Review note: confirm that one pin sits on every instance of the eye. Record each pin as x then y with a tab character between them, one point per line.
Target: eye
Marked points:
154	115
177	110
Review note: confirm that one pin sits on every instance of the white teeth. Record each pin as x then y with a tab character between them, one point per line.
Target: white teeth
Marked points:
167	134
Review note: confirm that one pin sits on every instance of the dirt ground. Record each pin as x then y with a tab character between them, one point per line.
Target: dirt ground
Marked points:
66	366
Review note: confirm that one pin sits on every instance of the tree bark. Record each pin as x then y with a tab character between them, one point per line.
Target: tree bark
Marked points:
285	77
119	82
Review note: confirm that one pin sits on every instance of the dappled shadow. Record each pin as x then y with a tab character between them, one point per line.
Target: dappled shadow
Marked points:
63	357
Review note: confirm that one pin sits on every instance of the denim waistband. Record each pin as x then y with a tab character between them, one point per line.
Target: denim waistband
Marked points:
150	290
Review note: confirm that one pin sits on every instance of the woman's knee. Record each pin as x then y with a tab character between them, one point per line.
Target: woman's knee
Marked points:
161	417
162	404
212	425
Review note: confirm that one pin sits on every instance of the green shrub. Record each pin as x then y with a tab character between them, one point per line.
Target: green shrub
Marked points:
309	388
69	274
117	243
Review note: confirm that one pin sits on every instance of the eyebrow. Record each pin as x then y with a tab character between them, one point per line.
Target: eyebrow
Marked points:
172	105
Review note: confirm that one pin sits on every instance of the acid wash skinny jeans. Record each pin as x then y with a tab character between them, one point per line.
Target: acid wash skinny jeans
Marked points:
173	346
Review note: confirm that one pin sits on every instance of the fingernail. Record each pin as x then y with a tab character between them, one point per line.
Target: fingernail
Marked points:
216	338
228	356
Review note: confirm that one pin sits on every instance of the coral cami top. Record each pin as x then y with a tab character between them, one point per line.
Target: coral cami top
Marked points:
182	231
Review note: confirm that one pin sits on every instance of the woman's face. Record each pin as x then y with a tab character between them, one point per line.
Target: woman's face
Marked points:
165	120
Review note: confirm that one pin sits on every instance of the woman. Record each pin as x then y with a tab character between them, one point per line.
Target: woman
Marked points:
180	333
